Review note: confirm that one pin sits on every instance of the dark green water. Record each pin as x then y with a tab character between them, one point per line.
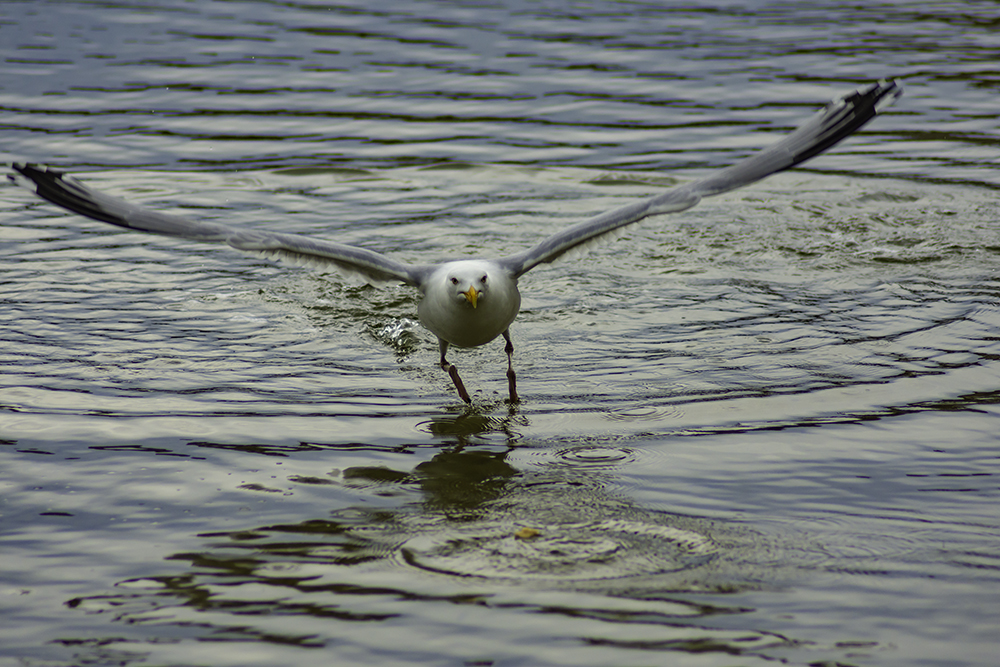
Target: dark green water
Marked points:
760	431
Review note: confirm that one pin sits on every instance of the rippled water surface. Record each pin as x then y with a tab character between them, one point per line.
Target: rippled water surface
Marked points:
760	431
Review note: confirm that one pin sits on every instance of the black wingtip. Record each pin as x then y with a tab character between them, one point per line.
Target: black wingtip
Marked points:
24	176
891	91
31	169
844	116
872	100
35	176
58	187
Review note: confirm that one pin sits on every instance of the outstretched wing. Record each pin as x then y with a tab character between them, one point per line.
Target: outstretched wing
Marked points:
66	191
838	120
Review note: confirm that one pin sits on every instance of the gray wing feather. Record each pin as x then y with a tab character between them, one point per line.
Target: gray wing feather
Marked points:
835	122
65	191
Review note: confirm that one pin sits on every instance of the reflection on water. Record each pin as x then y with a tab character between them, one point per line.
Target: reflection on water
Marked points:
760	432
467	513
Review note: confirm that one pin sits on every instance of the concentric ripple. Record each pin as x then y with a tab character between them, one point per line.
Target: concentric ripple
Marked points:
581	551
594	456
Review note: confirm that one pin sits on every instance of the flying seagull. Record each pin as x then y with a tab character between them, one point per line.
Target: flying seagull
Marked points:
469	302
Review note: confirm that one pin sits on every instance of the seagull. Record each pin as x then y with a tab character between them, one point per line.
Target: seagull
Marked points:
470	302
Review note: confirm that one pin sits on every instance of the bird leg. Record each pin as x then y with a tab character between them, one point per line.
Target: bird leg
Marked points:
452	372
511	376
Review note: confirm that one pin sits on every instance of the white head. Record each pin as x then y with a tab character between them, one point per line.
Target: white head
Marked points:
468	283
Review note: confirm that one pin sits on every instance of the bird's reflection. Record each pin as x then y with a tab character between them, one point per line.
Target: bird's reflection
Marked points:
477	421
467	513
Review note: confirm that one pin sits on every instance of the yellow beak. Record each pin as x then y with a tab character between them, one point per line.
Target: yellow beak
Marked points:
472	296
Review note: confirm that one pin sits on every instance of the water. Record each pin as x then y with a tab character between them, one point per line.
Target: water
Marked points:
759	431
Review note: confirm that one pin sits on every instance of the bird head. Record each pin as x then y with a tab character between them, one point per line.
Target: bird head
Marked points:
469	284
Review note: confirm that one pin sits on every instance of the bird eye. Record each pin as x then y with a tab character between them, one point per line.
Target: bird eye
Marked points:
483	279
454	281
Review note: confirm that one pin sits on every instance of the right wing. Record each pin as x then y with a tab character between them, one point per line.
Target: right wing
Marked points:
837	121
64	190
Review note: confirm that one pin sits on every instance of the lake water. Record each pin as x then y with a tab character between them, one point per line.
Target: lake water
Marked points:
762	431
